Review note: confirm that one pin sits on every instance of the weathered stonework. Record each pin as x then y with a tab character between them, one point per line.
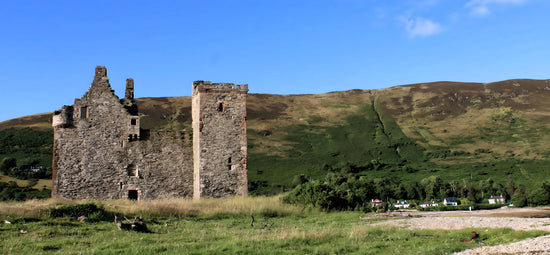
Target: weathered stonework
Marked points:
101	153
219	139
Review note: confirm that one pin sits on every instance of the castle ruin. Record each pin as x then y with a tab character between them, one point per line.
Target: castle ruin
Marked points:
100	151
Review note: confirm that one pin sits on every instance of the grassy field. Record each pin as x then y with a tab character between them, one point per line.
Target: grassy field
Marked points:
42	183
222	226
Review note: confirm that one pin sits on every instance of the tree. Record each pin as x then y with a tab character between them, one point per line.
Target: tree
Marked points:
472	194
432	186
7	165
499	189
511	186
519	199
486	187
538	197
454	186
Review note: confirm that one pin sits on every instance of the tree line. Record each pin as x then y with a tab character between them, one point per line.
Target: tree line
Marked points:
348	191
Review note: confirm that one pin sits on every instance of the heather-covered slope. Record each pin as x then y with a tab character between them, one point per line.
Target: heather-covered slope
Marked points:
459	131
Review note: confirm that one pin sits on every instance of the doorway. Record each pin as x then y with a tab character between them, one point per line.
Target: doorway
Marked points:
133	194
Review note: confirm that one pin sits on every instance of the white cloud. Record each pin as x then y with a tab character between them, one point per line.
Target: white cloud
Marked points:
481	7
422	27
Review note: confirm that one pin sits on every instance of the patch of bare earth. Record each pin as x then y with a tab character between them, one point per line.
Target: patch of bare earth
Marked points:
515	218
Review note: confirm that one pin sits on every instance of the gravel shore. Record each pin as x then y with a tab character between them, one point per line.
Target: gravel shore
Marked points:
516	219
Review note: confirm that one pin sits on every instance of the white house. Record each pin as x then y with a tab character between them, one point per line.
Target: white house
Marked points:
428	204
496	200
450	201
401	204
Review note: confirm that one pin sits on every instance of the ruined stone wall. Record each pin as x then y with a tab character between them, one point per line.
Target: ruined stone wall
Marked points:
219	139
99	152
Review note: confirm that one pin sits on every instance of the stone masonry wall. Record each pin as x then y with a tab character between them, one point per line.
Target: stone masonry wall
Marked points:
99	154
219	139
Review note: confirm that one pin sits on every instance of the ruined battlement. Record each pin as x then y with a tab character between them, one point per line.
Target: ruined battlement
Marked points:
129	93
100	72
63	118
99	151
209	87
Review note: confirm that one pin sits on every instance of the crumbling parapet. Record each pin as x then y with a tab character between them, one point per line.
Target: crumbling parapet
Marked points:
129	93
100	72
63	118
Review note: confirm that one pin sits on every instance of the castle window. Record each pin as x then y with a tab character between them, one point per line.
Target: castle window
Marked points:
84	113
132	170
229	160
133	122
221	107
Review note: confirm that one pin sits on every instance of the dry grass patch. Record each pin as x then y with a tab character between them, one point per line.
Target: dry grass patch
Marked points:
30	209
168	208
204	207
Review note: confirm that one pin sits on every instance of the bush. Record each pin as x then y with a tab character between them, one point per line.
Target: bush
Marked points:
90	210
538	197
299	179
11	191
7	165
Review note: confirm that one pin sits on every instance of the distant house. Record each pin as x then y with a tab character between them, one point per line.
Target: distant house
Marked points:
401	204
450	201
428	204
31	168
496	200
376	202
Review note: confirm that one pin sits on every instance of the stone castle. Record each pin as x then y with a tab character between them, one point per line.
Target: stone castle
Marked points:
100	151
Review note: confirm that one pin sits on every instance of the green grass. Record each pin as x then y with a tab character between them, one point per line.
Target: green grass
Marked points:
283	230
372	142
366	140
27	146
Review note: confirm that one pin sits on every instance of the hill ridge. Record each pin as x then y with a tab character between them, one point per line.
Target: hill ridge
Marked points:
492	129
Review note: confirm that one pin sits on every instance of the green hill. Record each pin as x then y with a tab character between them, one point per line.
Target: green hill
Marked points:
462	132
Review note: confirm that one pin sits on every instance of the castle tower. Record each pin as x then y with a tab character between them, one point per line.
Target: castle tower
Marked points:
219	139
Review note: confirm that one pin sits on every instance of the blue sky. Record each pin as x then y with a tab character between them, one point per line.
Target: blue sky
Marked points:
49	49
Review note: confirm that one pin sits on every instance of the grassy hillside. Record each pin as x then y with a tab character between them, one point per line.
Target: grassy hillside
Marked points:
463	132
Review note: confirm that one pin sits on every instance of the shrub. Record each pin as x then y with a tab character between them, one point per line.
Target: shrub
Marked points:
90	210
7	165
11	191
538	197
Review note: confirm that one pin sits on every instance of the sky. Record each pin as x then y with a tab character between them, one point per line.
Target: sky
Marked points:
49	49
